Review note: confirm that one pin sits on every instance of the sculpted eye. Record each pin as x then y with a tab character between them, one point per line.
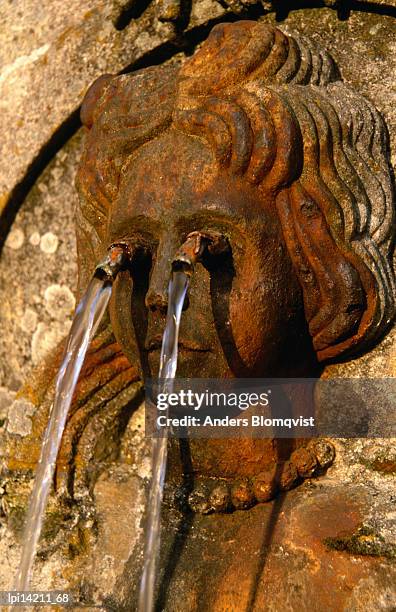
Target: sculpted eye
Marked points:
140	244
219	256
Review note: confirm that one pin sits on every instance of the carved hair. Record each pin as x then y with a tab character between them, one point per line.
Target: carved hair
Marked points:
273	109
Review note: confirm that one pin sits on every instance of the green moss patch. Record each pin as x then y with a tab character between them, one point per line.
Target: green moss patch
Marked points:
365	541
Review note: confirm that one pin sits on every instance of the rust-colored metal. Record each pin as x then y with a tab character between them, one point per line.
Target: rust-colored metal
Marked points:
118	255
193	249
255	139
276	558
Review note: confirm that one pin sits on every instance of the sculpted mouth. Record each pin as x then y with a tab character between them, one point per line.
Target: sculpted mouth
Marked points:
188	345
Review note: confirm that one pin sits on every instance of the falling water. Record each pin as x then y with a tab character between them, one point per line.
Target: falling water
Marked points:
86	321
178	286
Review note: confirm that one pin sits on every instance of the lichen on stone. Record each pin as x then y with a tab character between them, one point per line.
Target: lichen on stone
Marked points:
364	541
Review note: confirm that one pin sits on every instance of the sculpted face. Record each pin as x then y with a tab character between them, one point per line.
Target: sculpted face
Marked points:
242	306
257	138
280	157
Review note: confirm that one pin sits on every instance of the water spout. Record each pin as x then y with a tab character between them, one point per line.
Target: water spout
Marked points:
193	249
86	320
183	263
178	286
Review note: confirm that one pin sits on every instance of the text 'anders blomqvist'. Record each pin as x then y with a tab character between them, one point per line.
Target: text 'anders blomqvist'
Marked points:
253	421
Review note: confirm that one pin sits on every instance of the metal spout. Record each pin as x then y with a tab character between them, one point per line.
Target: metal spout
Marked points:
193	248
117	256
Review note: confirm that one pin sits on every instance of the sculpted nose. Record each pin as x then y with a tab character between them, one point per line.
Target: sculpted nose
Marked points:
157	294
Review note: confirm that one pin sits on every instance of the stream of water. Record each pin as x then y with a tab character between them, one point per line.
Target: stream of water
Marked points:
178	286
86	321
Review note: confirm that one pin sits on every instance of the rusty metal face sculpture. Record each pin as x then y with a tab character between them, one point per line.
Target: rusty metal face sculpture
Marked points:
257	137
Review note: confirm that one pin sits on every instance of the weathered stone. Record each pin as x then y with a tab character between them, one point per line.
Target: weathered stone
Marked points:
198	500
168	10
35	239
265	485
304	461
289	476
365	50
29	321
15	239
380	457
282	561
19	417
49	243
242	495
45	340
220	498
323	451
59	301
6	399
44	211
